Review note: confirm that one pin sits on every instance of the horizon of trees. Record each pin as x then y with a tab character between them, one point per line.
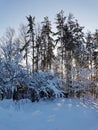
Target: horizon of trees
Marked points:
68	52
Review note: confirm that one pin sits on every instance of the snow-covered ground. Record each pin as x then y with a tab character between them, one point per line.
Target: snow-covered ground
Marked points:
62	114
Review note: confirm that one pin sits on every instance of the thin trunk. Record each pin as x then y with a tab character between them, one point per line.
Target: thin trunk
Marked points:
33	54
37	61
26	59
68	69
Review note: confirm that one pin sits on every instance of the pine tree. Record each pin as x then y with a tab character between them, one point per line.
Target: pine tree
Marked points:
70	36
73	42
47	45
90	52
95	54
31	34
38	49
60	22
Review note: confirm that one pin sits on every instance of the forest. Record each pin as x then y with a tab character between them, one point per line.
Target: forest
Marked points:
48	61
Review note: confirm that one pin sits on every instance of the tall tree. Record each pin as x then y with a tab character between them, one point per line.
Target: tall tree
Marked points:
71	38
60	22
47	44
25	45
95	55
31	34
38	48
73	42
90	51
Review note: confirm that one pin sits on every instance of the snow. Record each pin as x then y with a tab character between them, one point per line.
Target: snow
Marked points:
62	114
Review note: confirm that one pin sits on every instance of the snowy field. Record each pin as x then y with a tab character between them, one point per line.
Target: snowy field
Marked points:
62	114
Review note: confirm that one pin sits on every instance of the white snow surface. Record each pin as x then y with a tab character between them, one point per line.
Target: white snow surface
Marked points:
61	114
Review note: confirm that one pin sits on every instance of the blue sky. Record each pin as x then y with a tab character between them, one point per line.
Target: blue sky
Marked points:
14	12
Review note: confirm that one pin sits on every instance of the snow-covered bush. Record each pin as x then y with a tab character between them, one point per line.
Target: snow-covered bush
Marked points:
10	75
47	85
16	83
40	85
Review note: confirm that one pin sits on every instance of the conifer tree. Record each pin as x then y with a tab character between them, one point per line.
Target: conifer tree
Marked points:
60	22
38	49
95	54
90	52
71	37
47	45
31	35
73	42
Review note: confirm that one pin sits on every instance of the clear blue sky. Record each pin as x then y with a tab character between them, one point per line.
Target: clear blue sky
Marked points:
13	12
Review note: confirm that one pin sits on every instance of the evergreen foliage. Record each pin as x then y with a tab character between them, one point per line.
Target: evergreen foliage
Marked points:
44	64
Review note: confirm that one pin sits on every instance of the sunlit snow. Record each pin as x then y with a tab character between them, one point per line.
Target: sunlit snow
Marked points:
62	114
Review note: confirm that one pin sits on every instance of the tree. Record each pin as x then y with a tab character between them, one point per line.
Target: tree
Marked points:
90	51
70	36
25	45
60	22
31	34
38	48
10	63
7	45
95	54
47	45
95	37
73	43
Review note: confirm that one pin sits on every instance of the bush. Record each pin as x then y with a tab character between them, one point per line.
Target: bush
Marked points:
47	85
40	85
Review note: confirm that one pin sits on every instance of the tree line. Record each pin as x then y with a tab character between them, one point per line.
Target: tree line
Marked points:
68	52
